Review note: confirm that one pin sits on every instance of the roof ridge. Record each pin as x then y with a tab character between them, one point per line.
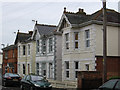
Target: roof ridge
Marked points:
47	25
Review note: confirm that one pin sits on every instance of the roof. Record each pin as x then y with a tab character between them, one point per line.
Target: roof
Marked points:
9	47
46	29
78	18
22	37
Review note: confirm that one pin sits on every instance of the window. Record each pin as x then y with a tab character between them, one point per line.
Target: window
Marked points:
87	36
67	69
23	68
50	45
67	74
76	68
19	50
28	68
76	65
76	40
28	49
23	49
37	68
44	69
43	46
67	40
37	46
87	67
67	65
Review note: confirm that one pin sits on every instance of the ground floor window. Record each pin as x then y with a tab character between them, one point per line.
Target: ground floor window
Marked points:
37	68
23	68
87	67
43	69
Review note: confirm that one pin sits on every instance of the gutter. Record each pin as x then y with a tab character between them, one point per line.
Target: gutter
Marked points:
95	22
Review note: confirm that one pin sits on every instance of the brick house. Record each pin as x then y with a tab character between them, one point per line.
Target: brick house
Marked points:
82	41
10	59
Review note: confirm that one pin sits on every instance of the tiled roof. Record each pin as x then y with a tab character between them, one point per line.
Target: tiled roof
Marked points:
78	18
22	37
10	47
45	29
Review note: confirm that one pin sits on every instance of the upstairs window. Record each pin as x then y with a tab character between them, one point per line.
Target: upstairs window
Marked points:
24	49
76	40
19	50
43	46
87	37
50	45
23	68
67	40
37	46
28	49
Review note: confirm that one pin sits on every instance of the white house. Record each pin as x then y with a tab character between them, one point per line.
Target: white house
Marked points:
82	40
48	51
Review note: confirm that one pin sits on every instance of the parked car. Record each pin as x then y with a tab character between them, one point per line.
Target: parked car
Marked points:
35	82
113	84
11	79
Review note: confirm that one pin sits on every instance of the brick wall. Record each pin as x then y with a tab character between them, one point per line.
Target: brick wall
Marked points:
113	65
89	79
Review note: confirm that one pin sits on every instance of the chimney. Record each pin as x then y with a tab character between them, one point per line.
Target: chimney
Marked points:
81	10
64	9
30	32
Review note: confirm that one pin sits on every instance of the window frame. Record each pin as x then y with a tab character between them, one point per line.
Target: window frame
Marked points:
76	40
67	41
87	38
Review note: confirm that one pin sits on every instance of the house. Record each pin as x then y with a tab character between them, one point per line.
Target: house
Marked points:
26	53
9	59
48	51
82	41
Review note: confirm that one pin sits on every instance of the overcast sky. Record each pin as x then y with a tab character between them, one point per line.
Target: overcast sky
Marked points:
18	14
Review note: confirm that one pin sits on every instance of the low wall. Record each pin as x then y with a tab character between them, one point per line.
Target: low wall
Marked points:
63	84
89	79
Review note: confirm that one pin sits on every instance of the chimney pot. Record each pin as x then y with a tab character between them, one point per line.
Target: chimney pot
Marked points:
64	9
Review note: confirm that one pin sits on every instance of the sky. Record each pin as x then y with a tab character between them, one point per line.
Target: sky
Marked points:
18	14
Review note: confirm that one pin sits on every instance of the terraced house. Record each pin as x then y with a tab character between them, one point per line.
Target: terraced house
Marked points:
82	41
48	51
26	53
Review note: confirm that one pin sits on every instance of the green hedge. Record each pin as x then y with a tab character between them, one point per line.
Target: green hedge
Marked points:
114	77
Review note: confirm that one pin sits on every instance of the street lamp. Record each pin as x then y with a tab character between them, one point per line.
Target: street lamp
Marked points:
104	42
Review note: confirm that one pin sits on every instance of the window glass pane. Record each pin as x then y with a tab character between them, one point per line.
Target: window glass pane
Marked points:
67	65
76	72
76	44
87	43
87	33
76	65
23	49
67	74
76	35
87	67
67	36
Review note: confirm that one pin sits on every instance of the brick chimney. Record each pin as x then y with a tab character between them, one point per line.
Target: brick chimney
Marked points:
81	10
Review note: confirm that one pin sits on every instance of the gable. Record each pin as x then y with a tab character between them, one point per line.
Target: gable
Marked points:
64	22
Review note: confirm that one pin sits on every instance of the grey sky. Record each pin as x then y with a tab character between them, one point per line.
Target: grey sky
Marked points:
19	15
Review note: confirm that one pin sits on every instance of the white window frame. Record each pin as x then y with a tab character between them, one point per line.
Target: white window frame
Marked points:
28	49
50	45
37	46
87	38
44	45
76	41
67	41
67	69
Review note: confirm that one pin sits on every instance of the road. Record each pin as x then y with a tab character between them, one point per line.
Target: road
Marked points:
18	88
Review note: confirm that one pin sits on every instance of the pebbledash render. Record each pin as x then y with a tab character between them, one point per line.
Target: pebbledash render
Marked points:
82	40
48	51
